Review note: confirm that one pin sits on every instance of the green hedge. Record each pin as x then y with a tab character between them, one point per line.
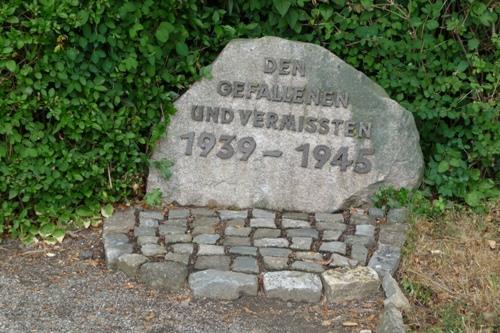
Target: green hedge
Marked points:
86	88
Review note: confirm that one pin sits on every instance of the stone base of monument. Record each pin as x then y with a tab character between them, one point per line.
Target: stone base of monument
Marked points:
226	254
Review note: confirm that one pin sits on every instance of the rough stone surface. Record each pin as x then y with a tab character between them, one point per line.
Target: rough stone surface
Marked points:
153	250
332	235
178	238
262	223
167	275
281	183
144	231
203	229
393	234
220	263
183	248
203	211
397	215
362	219
385	259
237	241
331	226
338	247
340	261
301	243
129	263
240	232
243	250
245	265
261	213
120	222
376	213
309	255
147	240
206	239
293	224
116	245
311	233
348	284
266	233
151	214
367	230
223	285
394	295
326	217
271	242
391	321
210	250
232	214
274	252
361	240
307	267
165	229
177	257
237	223
296	216
147	222
293	286
182	213
360	253
275	263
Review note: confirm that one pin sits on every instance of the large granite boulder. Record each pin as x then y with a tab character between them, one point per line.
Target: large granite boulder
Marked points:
288	126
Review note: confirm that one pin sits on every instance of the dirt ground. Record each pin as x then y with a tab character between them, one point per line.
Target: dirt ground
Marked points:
60	289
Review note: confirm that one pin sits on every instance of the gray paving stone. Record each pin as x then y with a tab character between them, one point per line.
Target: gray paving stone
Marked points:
113	252
238	231
308	255
166	229
332	235
122	221
361	240
222	284
397	215
220	263
144	231
153	250
394	295
210	250
112	239
262	223
296	216
178	223
340	261
203	212
293	286
147	240
391	321
148	223
178	238
331	226
393	234
294	224
359	253
236	241
266	233
206	239
232	214
349	284
275	263
271	242
385	260
243	250
151	214
129	263
183	248
245	265
274	252
306	266
203	229
376	213
177	257
330	218
238	223
206	221
301	243
260	213
312	233
362	219
338	247
166	275
366	230
179	213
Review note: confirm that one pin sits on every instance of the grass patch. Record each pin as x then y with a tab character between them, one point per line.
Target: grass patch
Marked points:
450	271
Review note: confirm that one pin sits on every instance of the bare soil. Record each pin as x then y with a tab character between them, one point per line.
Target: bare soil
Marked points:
59	289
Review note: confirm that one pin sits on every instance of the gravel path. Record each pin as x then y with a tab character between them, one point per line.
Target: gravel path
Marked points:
56	289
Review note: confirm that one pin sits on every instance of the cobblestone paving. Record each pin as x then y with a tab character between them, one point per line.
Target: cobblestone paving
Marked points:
226	254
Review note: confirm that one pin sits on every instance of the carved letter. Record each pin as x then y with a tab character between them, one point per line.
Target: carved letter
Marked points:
269	65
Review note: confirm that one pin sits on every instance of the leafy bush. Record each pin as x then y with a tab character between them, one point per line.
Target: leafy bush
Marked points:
86	88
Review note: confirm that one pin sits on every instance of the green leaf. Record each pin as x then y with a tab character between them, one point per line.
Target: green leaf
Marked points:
472	44
59	235
282	6
107	210
10	65
163	31
432	24
181	49
443	166
473	198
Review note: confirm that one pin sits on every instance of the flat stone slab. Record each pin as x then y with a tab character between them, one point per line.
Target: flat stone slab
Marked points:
220	263
348	284
222	285
293	286
167	275
122	221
